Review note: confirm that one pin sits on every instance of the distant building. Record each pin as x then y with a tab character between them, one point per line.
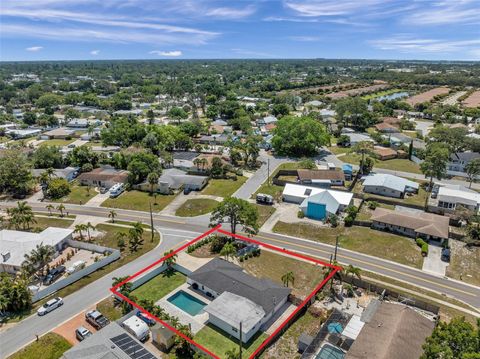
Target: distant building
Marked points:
451	196
266	120
459	160
388	185
68	173
58	133
332	177
19	133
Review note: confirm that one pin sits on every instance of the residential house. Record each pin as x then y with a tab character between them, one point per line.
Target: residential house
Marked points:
386	127
329	177
173	179
323	204
356	137
388	185
112	342
314	104
58	133
266	120
15	244
68	173
238	298
104	176
25	133
459	160
136	112
451	196
411	223
328	115
384	153
217	139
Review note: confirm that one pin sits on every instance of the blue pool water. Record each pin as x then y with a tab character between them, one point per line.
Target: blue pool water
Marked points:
335	328
330	352
187	303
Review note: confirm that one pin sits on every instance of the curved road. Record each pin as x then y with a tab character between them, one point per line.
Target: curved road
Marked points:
176	231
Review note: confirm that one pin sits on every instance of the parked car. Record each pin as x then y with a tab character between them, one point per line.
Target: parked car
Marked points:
52	304
445	255
72	145
146	318
264	199
82	333
53	275
187	190
96	319
75	267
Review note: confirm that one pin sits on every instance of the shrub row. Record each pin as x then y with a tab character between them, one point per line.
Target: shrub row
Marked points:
423	245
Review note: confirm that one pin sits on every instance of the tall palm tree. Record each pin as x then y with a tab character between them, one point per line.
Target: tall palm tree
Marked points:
288	278
135	236
79	228
112	214
49	208
89	226
22	215
353	271
364	148
61	208
39	257
197	162
121	237
170	261
152	180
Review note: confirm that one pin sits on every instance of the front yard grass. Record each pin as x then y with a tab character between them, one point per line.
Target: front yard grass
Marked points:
264	213
78	195
139	201
464	262
108	308
337	150
196	207
56	142
273	190
219	342
223	187
273	266
360	239
159	286
44	223
50	346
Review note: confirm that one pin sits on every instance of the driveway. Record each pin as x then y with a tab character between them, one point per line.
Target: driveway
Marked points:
433	263
98	199
67	329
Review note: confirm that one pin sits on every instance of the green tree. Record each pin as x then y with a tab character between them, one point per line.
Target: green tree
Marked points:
112	214
61	208
217	169
82	155
473	233
22	215
80	228
288	278
353	271
299	136
170	261
38	258
177	113
435	164
363	148
228	250
152	180
49	208
473	170
456	339
135	236
121	240
48	157
236	211
58	188
232	354
15	173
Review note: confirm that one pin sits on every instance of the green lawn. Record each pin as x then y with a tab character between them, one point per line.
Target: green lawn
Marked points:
50	346
336	150
57	142
274	190
416	199
360	239
159	286
224	187
264	213
78	195
139	201
108	308
220	342
396	164
44	222
196	207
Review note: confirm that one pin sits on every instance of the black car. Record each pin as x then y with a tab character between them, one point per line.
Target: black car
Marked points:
53	275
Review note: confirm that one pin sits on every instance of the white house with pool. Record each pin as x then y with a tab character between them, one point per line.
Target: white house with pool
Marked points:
238	299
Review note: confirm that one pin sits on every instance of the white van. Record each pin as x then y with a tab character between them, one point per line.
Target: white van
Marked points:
116	190
137	327
75	267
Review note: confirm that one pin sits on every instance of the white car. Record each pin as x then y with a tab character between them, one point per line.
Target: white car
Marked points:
52	304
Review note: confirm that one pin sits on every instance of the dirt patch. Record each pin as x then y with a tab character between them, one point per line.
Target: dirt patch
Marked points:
427	95
473	100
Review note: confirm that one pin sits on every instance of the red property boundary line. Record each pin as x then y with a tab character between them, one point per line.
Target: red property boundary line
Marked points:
218	229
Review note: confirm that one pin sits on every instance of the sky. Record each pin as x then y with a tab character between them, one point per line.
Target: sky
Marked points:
33	30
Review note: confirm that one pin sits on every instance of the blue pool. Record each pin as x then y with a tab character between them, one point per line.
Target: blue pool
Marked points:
187	302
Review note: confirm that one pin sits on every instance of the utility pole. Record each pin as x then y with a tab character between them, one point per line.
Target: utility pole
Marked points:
240	352
336	247
268	171
151	223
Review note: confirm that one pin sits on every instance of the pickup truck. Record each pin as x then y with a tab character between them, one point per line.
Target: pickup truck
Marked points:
96	319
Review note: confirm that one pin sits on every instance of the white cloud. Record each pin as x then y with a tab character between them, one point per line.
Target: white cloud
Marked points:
94	52
174	53
304	38
459	12
425	45
231	13
315	8
34	48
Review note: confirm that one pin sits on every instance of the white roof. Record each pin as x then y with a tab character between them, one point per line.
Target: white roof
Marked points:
233	309
358	137
138	326
353	327
19	243
331	199
458	194
389	181
297	190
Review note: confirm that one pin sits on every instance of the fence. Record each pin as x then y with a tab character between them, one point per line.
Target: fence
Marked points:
114	254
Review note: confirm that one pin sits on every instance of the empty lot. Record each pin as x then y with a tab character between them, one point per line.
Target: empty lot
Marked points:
473	100
427	95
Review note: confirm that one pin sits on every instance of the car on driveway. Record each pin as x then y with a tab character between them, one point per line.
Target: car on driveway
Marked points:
96	319
53	275
52	304
146	318
82	333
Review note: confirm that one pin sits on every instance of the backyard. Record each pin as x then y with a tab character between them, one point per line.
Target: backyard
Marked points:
360	239
223	187
50	346
78	195
139	201
196	207
396	164
220	342
417	199
268	187
159	286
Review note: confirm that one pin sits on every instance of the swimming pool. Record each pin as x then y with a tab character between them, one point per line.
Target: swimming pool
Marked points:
187	302
330	352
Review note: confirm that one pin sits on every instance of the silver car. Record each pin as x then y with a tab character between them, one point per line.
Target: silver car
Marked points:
82	333
52	304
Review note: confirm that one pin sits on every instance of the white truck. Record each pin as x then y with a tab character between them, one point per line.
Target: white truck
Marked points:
137	327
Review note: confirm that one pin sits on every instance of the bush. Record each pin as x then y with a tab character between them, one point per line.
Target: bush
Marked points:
58	188
217	244
372	205
333	220
300	214
425	249
240	259
349	221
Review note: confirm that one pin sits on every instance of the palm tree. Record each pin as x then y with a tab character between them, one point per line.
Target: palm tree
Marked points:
204	163
61	208
288	278
21	215
364	148
112	214
125	288
197	161
79	228
170	261
89	226
228	251
4	302
39	257
353	271
49	208
152	180
50	172
135	235
121	237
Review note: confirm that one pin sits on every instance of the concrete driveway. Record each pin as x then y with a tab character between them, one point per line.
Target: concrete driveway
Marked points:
433	262
67	329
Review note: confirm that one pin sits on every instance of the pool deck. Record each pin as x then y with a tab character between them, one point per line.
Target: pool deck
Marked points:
196	322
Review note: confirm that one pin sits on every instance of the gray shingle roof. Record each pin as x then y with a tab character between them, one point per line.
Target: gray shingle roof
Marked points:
222	276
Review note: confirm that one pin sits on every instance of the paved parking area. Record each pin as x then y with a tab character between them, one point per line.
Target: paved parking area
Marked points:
67	329
433	262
